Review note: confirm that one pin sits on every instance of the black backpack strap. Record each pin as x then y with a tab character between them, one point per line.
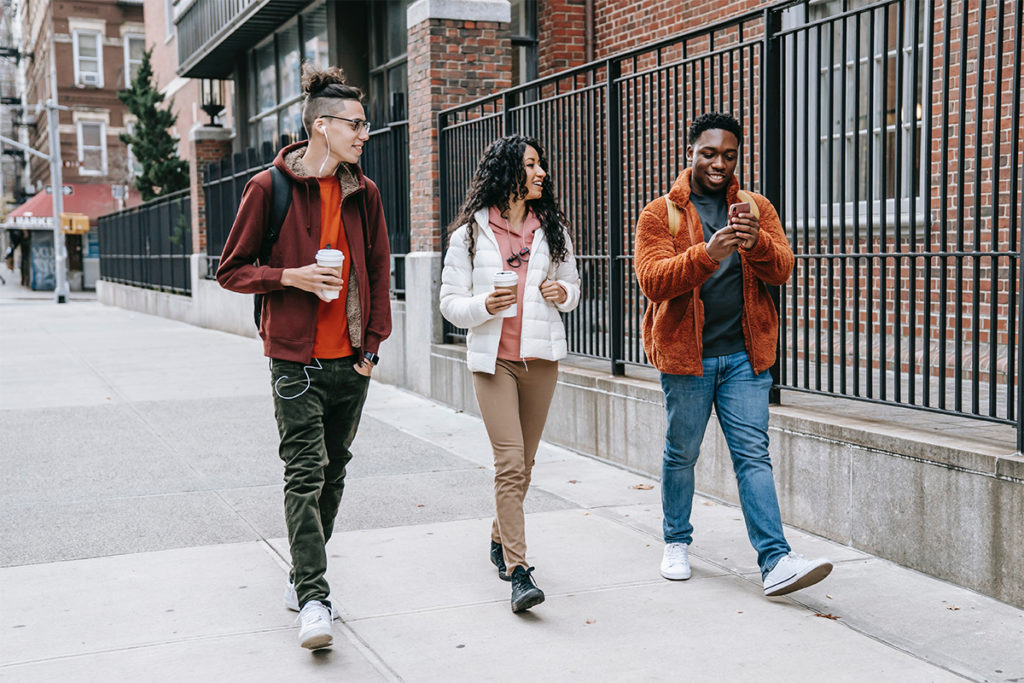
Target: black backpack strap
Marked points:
280	202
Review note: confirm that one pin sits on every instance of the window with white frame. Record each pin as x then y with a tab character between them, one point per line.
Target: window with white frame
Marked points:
134	47
92	148
853	118
88	47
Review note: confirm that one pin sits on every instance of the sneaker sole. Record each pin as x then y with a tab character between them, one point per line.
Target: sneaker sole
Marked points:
675	577
531	600
318	642
503	576
796	583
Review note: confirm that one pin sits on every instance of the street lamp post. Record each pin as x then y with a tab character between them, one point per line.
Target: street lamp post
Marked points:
60	252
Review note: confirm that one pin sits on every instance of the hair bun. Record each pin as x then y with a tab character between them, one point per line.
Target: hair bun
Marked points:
315	79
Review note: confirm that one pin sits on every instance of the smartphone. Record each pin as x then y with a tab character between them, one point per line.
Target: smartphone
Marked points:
741	207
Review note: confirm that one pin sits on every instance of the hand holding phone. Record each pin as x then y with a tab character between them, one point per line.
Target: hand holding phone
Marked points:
745	224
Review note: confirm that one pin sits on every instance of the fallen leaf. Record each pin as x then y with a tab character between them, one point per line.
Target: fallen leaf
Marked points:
826	616
828	596
586	514
419	505
591	621
643	487
708	504
574	481
953	608
740	612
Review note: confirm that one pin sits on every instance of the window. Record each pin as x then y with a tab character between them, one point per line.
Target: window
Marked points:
862	106
274	82
92	148
524	41
389	83
134	47
88	47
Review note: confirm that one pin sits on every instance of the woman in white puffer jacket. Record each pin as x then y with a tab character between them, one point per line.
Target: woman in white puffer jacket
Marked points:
510	221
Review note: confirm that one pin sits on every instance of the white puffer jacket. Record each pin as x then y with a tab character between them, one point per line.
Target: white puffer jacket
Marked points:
463	296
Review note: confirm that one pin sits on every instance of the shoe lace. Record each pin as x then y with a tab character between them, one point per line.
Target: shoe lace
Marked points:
525	579
675	552
314	615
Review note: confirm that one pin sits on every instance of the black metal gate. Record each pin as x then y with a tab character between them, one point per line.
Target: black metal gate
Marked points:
887	134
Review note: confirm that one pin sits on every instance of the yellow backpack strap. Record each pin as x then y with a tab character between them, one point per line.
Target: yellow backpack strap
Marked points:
744	196
675	216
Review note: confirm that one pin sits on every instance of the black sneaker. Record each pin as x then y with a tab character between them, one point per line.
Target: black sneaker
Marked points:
525	593
498	560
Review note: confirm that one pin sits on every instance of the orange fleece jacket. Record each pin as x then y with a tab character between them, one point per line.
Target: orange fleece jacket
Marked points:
671	271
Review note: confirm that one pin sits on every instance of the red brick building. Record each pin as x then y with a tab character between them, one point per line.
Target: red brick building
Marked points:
96	47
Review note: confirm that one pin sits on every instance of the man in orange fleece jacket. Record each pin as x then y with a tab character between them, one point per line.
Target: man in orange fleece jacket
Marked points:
705	262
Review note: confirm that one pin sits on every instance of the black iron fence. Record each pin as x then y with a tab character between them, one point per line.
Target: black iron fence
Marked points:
386	161
887	134
149	245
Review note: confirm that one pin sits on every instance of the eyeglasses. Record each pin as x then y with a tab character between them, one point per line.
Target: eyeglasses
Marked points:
516	260
359	125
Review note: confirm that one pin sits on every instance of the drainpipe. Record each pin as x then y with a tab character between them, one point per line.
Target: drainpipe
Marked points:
588	28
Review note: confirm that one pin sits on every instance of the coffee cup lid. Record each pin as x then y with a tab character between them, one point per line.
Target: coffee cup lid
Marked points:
330	253
506	276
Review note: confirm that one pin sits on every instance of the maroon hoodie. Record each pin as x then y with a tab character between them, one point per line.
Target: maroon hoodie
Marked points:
288	324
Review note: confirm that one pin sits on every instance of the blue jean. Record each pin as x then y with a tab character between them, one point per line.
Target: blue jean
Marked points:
740	398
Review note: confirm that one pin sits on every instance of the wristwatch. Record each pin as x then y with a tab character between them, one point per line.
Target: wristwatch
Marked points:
372	357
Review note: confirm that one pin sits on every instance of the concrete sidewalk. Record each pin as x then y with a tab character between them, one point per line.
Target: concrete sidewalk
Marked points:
144	540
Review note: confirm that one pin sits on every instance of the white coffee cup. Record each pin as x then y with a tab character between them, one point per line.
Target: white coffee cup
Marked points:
330	258
507	279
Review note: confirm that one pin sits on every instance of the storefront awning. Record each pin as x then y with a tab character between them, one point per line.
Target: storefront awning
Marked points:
92	199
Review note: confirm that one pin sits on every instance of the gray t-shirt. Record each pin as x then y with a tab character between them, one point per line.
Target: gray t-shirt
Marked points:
722	293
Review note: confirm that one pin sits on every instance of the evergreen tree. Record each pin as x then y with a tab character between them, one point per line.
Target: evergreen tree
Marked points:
155	148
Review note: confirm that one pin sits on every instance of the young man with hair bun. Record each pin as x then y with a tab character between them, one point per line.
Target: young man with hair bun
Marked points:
321	325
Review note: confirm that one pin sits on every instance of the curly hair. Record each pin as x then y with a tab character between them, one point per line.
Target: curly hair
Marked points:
499	176
714	121
322	87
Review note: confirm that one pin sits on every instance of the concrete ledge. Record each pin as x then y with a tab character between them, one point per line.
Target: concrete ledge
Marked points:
939	504
459	10
209	306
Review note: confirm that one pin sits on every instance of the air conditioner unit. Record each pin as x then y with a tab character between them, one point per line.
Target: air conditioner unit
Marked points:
89	78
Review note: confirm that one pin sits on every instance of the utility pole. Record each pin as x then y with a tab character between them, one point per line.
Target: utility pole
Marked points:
60	252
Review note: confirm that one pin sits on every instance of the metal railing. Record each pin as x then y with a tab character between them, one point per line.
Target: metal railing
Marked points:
890	146
385	161
149	245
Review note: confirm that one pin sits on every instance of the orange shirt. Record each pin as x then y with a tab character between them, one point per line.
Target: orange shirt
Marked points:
331	339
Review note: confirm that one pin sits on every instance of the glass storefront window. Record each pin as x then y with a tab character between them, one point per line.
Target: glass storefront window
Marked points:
288	49
267	131
291	122
266	93
314	32
275	80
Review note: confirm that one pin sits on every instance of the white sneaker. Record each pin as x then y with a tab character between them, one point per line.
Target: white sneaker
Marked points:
291	599
315	626
793	572
675	563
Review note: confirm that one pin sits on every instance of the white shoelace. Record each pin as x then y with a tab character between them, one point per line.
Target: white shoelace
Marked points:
675	553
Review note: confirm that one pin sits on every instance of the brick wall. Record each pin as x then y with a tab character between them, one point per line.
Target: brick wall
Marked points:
561	35
203	153
449	62
621	25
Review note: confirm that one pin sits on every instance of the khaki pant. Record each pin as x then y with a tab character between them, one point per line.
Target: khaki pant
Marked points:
514	404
